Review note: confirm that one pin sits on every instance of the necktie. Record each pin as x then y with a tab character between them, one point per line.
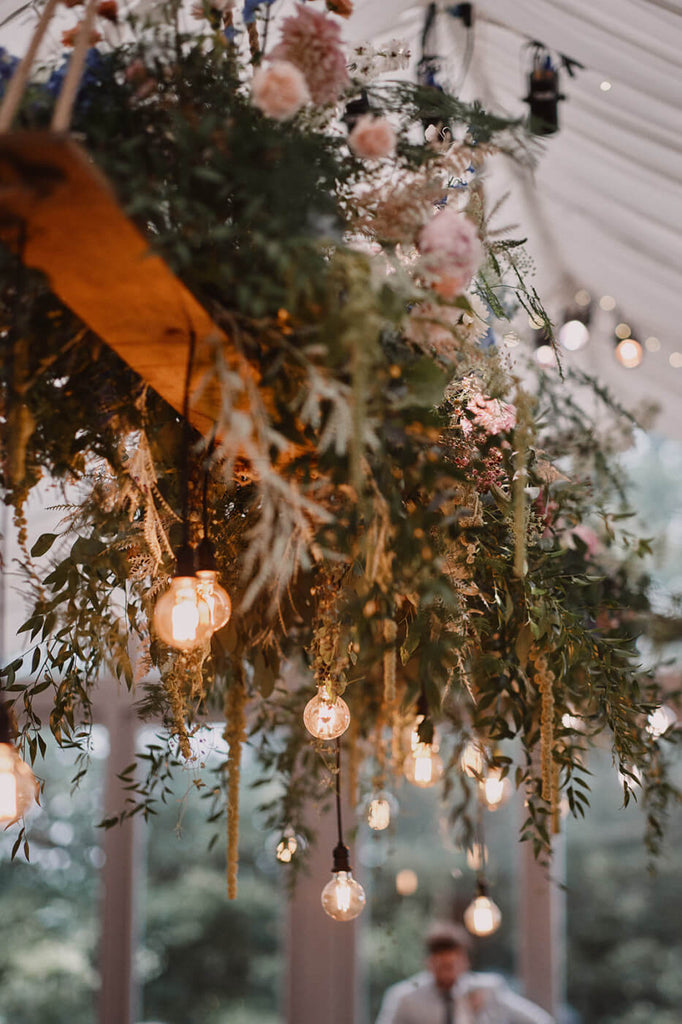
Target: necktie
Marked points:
449	1008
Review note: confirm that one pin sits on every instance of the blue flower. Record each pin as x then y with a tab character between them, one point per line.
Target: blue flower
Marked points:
251	7
7	65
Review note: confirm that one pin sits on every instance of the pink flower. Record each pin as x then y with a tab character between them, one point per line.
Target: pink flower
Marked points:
453	251
494	416
279	90
372	137
584	533
312	41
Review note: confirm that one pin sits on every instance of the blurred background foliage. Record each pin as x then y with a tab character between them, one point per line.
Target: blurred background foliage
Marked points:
203	960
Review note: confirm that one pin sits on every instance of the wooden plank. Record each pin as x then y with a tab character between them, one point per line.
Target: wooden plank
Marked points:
100	265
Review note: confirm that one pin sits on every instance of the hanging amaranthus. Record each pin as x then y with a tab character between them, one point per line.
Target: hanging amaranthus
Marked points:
522	439
556	810
234	734
390	634
544	678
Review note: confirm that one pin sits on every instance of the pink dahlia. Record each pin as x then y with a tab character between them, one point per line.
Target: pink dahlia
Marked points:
312	41
453	251
372	137
279	90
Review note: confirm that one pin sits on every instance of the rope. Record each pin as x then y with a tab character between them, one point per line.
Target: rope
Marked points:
15	89
61	117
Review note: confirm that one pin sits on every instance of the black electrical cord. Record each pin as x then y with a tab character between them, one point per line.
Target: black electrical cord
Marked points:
186	439
338	791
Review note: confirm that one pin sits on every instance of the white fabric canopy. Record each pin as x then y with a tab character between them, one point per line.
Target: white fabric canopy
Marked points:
603	209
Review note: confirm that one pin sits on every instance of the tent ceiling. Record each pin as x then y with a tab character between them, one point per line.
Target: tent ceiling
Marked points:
603	208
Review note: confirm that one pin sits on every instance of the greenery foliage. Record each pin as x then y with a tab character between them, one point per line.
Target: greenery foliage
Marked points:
395	516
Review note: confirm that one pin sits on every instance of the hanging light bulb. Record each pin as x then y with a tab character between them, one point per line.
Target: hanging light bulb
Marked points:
423	766
473	759
286	848
380	810
181	617
494	790
342	897
216	601
660	720
482	917
18	785
326	716
477	857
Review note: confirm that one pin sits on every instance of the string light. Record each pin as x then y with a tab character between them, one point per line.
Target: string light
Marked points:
660	720
482	917
494	790
216	601
182	619
287	847
423	765
380	810
18	785
343	898
473	759
629	353
326	716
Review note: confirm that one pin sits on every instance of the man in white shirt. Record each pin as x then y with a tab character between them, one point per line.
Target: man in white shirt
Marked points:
449	993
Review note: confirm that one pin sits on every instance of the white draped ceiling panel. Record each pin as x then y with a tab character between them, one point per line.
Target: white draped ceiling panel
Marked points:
603	208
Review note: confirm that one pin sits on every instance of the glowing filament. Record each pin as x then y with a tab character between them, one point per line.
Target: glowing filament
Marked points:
379	814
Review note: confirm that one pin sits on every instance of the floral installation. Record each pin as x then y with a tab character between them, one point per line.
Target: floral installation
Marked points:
389	500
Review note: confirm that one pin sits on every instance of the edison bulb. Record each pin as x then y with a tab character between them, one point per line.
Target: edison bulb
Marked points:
494	790
216	608
629	353
379	812
181	617
286	849
343	898
423	766
482	917
18	785
472	760
660	720
326	717
574	335
477	857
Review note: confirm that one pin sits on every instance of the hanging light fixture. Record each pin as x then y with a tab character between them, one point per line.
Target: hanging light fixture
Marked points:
482	917
574	332
423	765
184	616
543	93
216	600
343	898
287	847
18	784
326	716
380	810
182	619
494	790
473	759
